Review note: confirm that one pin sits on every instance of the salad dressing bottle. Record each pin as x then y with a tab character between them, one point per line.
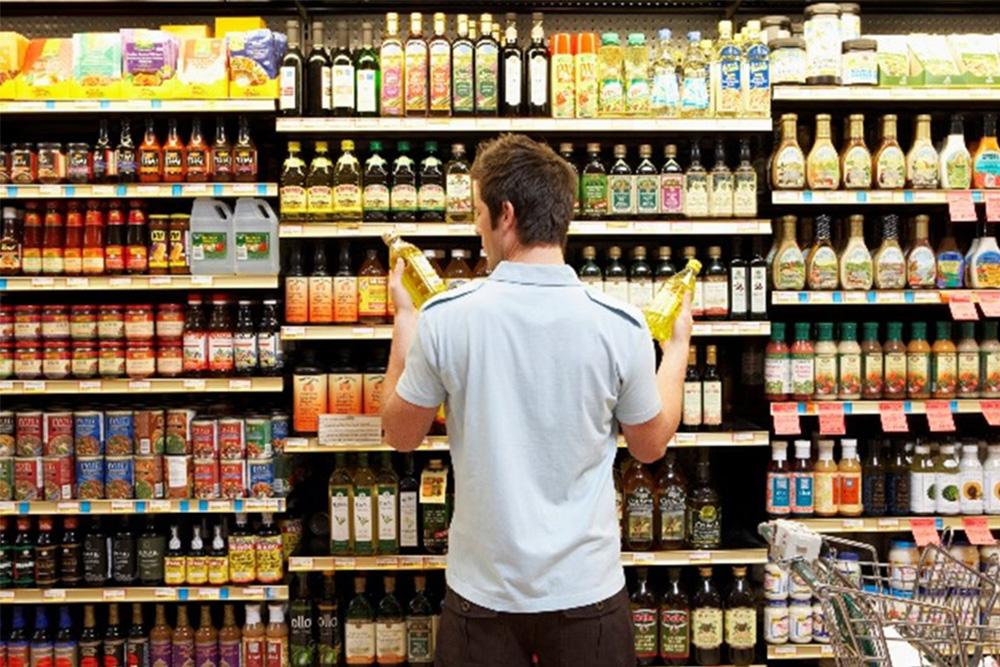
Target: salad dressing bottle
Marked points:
849	362
825	378
950	262
856	162
920	261
788	166
968	362
922	160
894	355
855	260
788	268
955	161
989	361
823	163
918	362
944	363
890	265
821	264
827	485
872	362
890	163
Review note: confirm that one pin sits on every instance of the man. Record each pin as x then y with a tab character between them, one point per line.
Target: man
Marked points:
537	373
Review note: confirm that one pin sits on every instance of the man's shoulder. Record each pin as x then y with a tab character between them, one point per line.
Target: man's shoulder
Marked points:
439	302
617	308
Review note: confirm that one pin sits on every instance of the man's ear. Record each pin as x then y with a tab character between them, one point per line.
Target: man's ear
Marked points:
507	219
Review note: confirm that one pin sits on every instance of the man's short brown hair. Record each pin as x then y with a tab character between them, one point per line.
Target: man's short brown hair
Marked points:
537	182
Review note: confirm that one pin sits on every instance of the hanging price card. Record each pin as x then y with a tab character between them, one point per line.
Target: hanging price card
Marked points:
962	308
992	206
893	418
831	419
960	206
978	531
939	417
991	410
989	303
924	531
786	418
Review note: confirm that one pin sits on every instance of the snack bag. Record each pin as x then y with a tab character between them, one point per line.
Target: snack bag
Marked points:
12	50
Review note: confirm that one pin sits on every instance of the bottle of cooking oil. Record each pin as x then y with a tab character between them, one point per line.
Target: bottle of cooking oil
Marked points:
637	75
666	304
611	95
695	81
420	279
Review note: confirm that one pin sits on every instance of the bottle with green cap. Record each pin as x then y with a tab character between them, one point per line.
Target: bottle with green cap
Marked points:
825	374
918	362
849	362
347	185
872	362
431	194
403	192
375	196
803	363
944	362
611	92
989	361
777	365
894	355
637	75
968	362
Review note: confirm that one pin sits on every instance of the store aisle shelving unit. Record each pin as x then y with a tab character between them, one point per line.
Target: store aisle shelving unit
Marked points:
136	283
249	593
139	191
880	297
149	386
493	125
889	524
135	507
137	106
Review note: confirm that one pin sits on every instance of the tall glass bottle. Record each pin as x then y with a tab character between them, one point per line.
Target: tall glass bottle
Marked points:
403	193
985	161
367	76
318	75
707	621
392	61
720	201
487	69
621	186
126	156
365	513
420	626
644	607
387	490
704	510
671	501
788	164
639	489
856	161
416	68
696	186
594	185
431	197
319	180
347	185
290	82
458	187
222	153
922	160
740	620
390	627
691	413
439	69
375	195
359	630
745	188
512	66
463	72
695	89
675	622
889	161
823	162
341	495
889	263
671	183
537	58
342	78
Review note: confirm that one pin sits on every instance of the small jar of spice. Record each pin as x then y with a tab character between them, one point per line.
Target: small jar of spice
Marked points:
23	164
55	321
169	320
111	322
169	357
139	322
140	359
83	322
27	322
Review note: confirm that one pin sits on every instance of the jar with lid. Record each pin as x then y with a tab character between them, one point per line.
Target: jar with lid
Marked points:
159	245
775	582
903	558
770	26
178	231
776	622
139	322
788	60
169	357
140	359
850	20
56	359
823	44
81	167
821	634
860	63
6	322
6	359
4	165
111	359
169	320
51	163
849	565
84	364
111	322
23	164
55	321
221	361
28	359
83	322
27	322
800	617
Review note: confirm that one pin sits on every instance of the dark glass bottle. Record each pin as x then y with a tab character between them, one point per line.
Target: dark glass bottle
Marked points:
46	555
245	353
367	75
711	391
512	69
244	154
271	357
664	266
409	508
123	554
114	639
691	411
17	640
96	568
301	646
644	607
897	482
290	82
487	65
125	156
758	282
41	640
740	620
150	156
463	98
706	621
222	153
24	555
739	283
375	197
671	504
675	622
70	554
716	282
328	621
65	651
419	626
150	549
6	556
197	155
538	74
431	194
639	490
90	640
103	156
704	510
318	75
873	480
403	196
137	643
342	80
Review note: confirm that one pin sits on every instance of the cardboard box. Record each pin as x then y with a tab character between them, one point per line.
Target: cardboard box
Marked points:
977	59
183	32
931	63
12	49
893	58
203	72
255	63
229	24
47	70
149	64
97	65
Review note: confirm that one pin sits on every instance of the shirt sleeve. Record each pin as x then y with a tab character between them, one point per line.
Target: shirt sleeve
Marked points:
421	382
638	399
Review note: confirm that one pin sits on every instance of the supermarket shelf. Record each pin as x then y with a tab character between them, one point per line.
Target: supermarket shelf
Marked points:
151	190
873	297
799	652
24	283
883	94
143	594
191	506
874	197
118	106
638	558
577	227
459	125
150	386
886	524
384	331
811	408
297	445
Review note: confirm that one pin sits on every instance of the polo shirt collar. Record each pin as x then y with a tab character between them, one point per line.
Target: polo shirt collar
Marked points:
549	275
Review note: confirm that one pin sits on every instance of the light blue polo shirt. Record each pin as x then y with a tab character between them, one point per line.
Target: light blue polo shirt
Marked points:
537	371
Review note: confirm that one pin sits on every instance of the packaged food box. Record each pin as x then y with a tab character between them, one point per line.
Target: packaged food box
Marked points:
204	74
254	62
977	59
12	50
893	58
931	63
228	24
47	70
97	65
187	31
149	64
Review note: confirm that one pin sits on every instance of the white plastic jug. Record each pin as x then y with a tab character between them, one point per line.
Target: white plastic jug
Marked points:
256	238
212	250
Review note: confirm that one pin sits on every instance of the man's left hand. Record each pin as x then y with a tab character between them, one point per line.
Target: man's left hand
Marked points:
400	297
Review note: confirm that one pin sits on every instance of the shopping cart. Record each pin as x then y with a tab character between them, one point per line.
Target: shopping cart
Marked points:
935	611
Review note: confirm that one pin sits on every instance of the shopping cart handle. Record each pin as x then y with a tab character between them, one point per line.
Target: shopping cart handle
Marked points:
790	540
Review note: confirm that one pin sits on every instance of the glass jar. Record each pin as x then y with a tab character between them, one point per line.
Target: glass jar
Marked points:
6	322
28	360
57	357
4	165
111	359
800	617
850	20
6	359
771	26
169	320
169	357
860	63
84	364
903	559
776	622
849	565
965	553
822	33
23	164
83	322
821	634
111	322
27	322
775	582
81	168
788	60
51	163
55	321
140	359
139	324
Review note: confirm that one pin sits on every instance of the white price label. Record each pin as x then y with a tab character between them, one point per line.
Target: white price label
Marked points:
7	508
292	332
6	385
148	190
435	562
50	190
42	282
296	443
160	506
219	506
343	563
160	280
699	556
386	562
165	593
102	191
852	523
208	593
194	385
201	281
302	564
120	282
68	508
114	593
888	523
139	385
195	188
33	385
640	557
78	282
243	188
291	230
54	594
90	385
363	332
240	385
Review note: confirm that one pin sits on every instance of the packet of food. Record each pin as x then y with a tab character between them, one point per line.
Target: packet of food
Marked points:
97	65
254	61
931	63
977	58
12	49
893	58
203	74
149	63
47	70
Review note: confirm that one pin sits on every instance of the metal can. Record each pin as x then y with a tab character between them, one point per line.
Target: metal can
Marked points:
88	433
232	478
27	478
148	430
280	428
119	477
57	434
258	437
119	429
205	438
57	477
148	477
6	478
178	431
260	473
206	478
89	477
232	438
178	476
28	433
7	431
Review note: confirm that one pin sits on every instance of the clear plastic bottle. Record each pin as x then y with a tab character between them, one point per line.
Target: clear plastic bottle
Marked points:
971	477
695	95
637	75
664	95
611	90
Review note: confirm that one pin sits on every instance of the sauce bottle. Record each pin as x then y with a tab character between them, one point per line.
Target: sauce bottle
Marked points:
195	338
890	163
825	364
946	467
31	240
65	652
803	364
244	154
639	488
70	554
276	637
114	639
431	197
221	357
242	558
103	157
174	158
643	607
373	289
46	556
159	639
73	252
159	244
174	561
114	249
923	478
894	354
268	555
196	561
849	362
986	161
741	619
849	479
90	641
136	240
125	156
594	185
778	503
856	269
873	481
206	646
218	558
856	161
955	161
253	641
320	289
802	492
137	645
788	266
889	263
920	262
92	261
669	505
123	554
968	362
18	649
989	356
345	288
827	484
10	243
197	159
53	241
182	640
918	362
151	547
177	236
296	289
777	365
150	156
457	272
897	482
944	363
821	261
40	649
872	363
308	396
823	162
229	638
221	154
788	164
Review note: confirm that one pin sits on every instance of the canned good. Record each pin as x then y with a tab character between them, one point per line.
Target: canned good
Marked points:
260	473
140	359
148	477
6	478
57	477
88	433
7	431
205	438
119	477
83	322
280	428
139	322
28	431
119	432
84	363
27	478
149	431
110	322
206	478
232	438
57	359
55	321
27	322
178	473
258	437
178	431
27	360
232	478
89	477
111	359
57	434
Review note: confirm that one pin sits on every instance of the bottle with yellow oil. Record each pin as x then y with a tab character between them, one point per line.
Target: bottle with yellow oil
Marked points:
420	279
666	305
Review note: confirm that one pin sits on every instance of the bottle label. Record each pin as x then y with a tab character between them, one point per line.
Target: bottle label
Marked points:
319	199
923	166
890	169
705	526
857	168
671	193
948	494
692	404
827	498
268	350
440	76
696	196
367	90
586	85
408	523
716	297
286	88
431	197
229	653
671	508
487	77
347	198
758	290
245	351
206	654
777	374
326	88
640	292
181	654
850	375
343	86
390	642
253	246
392	80
758	79
463	85
873	364
957	170
419	642
159	654
359	642
387	498
242	564
712	403
738	290
207	246
674	633
968	372
694	93
802	499
345	299
990	372
621	193
741	627
372	296
823	270
563	85
363	516
850	490
639	521
416	76
595	193
920	268
986	269
459	187
789	170
195	351
220	351
917	373
538	81
403	197
647	194
823	167
825	379
512	81
890	269
644	624
945	373
376	197
778	493
698	300
706	627
340	519
895	374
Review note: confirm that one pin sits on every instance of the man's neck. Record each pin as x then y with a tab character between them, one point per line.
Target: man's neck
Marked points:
541	254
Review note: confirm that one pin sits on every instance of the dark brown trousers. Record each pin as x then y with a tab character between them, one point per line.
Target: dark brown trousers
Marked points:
597	635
